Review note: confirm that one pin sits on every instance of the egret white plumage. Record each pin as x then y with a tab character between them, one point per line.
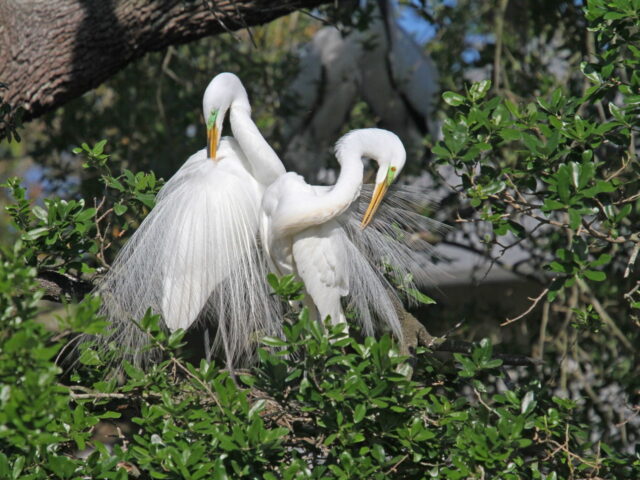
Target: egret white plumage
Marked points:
195	256
308	231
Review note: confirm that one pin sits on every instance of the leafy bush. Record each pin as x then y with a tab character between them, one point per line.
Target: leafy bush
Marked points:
557	178
317	406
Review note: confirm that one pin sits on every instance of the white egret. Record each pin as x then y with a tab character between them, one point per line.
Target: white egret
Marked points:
195	256
306	232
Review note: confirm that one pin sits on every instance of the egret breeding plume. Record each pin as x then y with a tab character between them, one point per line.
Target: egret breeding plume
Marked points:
197	257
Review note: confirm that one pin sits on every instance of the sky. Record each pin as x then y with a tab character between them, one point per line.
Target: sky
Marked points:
423	31
418	27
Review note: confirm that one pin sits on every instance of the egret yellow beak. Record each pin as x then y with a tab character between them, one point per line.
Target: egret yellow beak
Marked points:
213	135
212	142
376	199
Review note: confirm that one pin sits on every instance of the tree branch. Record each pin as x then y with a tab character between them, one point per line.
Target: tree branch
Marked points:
55	51
59	286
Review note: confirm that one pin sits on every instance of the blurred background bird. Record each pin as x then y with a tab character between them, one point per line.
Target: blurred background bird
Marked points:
383	66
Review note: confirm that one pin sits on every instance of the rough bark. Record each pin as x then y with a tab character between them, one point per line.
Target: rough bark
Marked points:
53	51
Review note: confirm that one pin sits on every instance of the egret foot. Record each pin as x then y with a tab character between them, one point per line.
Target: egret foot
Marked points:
414	334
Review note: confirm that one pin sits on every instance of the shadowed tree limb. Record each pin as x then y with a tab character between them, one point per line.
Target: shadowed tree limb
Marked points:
59	286
52	52
415	334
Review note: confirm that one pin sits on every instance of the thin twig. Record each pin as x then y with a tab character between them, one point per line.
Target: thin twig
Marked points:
213	396
535	301
543	329
483	403
603	314
320	19
393	469
97	395
632	260
630	293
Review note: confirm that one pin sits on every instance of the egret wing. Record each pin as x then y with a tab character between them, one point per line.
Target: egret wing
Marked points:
319	255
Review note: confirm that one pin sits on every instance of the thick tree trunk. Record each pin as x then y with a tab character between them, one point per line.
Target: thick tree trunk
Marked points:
53	51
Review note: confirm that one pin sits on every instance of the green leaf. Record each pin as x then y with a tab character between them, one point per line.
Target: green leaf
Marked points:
596	276
494	187
479	90
453	99
359	413
603	259
558	267
110	415
589	71
600	187
551	204
441	151
35	233
99	147
114	183
420	297
147	199
616	112
272	280
90	357
40	213
510	134
256	408
528	403
86	215
61	465
575	218
273	342
119	209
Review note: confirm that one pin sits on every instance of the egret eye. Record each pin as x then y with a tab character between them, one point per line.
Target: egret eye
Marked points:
391	175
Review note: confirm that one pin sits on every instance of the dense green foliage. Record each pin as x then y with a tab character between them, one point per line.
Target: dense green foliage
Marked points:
558	177
317	406
548	164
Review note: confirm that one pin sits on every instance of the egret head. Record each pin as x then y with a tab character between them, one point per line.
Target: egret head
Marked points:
386	149
223	92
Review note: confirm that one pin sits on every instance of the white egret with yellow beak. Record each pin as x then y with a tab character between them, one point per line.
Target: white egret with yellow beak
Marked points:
195	257
305	232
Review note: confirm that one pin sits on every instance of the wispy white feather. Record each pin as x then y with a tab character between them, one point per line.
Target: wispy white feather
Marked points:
398	237
314	232
196	258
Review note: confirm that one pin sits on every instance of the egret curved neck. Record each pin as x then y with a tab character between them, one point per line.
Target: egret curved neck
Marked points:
299	213
348	185
265	163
